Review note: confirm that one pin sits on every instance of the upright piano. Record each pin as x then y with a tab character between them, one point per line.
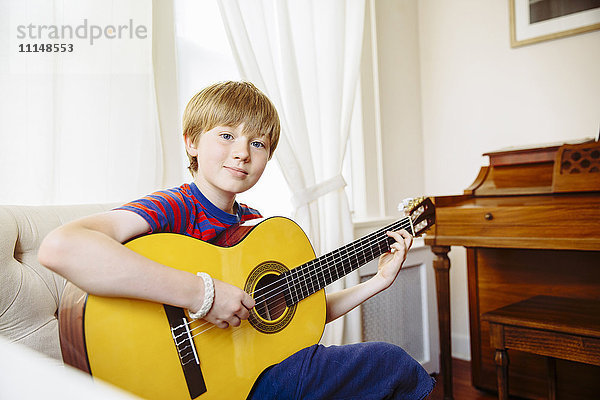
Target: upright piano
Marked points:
530	223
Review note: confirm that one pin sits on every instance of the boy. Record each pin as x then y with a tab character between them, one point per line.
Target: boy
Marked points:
230	131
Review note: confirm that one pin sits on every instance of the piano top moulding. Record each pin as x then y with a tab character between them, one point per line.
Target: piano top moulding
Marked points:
545	197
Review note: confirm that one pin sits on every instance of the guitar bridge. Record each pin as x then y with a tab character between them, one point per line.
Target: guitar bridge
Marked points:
188	357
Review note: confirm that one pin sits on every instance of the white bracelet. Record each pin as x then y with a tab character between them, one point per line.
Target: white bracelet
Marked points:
209	296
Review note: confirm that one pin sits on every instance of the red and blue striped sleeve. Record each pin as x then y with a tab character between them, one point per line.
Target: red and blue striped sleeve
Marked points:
165	211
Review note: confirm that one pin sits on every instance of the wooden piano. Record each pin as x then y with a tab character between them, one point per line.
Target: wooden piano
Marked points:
530	223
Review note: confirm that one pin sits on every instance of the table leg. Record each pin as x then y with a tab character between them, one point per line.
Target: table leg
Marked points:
551	362
501	359
441	264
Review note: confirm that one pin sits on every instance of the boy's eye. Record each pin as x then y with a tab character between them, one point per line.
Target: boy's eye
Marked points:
258	144
227	136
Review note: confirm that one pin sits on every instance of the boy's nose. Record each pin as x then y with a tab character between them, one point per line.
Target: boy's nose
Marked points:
241	151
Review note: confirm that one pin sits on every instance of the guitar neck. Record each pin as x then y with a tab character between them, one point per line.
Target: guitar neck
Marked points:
314	275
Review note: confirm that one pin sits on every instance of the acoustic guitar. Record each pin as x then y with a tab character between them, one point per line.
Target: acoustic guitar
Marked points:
156	351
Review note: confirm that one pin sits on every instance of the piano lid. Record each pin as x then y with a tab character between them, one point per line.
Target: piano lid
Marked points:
549	168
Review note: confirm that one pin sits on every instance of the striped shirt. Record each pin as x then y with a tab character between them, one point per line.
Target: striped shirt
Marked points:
186	211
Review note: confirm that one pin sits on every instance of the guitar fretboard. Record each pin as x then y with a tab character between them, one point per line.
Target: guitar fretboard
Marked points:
314	275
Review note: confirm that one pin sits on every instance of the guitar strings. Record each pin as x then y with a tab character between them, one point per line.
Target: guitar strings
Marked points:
365	242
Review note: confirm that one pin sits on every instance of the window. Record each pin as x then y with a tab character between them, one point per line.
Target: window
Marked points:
204	56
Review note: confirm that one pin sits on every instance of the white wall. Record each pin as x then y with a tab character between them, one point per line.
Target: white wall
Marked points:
402	140
394	25
451	84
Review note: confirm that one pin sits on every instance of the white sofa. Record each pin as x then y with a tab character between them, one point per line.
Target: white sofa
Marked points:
30	293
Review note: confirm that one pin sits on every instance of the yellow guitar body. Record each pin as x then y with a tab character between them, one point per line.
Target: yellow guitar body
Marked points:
129	342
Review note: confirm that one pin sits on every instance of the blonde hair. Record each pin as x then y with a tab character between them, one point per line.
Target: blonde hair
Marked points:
231	104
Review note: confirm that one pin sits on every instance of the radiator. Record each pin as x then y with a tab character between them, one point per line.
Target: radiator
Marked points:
406	314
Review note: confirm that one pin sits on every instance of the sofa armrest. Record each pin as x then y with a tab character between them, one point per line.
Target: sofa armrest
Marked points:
29	292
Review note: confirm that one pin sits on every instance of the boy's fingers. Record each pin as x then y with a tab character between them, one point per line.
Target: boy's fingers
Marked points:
398	246
401	235
407	237
403	239
248	302
243	314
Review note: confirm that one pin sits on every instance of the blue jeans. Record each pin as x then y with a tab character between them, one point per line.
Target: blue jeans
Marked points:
363	371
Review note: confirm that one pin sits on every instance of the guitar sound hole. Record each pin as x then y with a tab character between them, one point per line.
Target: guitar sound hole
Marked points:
270	301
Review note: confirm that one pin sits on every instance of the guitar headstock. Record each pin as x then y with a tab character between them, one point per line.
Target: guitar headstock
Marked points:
421	212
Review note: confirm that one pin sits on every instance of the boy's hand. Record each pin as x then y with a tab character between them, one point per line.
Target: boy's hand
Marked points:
230	307
391	262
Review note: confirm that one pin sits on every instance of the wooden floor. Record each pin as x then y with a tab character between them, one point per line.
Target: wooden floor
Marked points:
463	390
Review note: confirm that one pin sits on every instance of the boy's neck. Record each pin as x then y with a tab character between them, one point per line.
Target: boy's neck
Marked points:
223	201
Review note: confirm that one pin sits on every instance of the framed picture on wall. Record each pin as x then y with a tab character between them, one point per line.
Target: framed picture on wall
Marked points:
533	21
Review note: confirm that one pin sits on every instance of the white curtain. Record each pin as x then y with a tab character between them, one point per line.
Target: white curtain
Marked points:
79	126
305	55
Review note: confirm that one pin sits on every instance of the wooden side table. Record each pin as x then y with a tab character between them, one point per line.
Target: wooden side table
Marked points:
555	327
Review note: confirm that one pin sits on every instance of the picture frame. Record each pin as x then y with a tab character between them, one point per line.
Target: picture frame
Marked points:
533	21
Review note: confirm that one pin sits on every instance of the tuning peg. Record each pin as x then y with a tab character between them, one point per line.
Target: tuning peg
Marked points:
409	204
405	205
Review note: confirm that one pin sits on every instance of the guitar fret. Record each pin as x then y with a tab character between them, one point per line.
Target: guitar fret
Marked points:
381	247
331	270
316	282
348	262
324	283
348	259
343	260
295	278
354	261
302	283
317	270
289	299
359	257
337	271
311	270
317	278
334	275
307	280
297	284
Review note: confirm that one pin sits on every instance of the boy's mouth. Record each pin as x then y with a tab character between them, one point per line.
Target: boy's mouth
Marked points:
236	171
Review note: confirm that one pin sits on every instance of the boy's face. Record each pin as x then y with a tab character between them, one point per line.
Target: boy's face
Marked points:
229	162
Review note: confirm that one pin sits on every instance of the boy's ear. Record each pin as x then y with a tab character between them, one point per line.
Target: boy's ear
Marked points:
190	146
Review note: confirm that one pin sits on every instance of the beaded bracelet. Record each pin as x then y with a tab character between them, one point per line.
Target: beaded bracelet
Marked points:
209	296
